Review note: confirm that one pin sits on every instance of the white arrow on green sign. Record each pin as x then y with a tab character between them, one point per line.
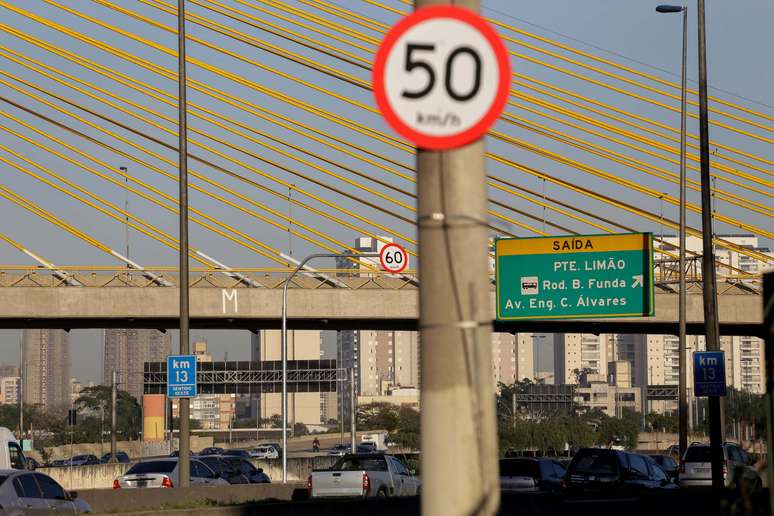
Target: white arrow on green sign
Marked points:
575	276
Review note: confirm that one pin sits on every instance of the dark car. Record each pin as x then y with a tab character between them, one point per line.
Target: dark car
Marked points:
366	448
176	453
236	453
608	473
121	457
82	460
668	464
526	474
224	469
212	450
244	466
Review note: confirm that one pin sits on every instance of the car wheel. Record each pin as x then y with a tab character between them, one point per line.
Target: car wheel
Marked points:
382	493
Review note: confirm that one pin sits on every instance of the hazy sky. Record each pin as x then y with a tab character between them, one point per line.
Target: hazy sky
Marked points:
629	32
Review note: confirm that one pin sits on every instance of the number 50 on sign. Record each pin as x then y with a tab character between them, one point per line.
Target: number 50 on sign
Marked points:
441	77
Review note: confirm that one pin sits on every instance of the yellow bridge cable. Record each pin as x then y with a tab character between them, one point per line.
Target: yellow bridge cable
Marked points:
173	177
637	117
53	219
530	99
172	11
172	208
495	214
659	196
33	128
531	84
632	136
610	74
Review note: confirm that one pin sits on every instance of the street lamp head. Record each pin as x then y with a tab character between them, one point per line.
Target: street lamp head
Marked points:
670	8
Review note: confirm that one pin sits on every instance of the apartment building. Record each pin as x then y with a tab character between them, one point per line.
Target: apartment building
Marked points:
126	351
46	369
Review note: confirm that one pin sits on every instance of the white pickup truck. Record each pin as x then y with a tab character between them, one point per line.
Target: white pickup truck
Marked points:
364	475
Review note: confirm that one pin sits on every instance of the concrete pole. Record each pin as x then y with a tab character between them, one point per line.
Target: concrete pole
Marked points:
21	391
768	330
683	358
709	283
113	396
352	411
184	412
459	431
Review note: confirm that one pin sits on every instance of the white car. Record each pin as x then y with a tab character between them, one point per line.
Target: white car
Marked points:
264	452
27	492
166	473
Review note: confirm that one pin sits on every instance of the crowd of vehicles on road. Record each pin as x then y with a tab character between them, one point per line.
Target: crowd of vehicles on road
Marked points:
613	473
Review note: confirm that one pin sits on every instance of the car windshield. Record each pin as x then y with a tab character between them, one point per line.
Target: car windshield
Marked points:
361	463
519	468
698	454
155	466
594	462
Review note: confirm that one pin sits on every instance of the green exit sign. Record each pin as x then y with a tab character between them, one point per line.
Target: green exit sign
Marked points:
569	277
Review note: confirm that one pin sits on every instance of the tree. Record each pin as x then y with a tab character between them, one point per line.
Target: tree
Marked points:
378	416
300	429
93	400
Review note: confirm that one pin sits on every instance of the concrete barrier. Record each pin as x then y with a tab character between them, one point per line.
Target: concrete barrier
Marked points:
135	449
101	476
298	468
200	497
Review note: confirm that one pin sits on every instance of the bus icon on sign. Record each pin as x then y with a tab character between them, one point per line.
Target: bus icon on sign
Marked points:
529	285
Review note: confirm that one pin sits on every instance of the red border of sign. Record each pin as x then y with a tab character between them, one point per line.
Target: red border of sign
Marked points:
503	89
384	251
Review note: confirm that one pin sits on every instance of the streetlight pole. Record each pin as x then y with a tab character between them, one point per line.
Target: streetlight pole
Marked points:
185	443
284	346
683	355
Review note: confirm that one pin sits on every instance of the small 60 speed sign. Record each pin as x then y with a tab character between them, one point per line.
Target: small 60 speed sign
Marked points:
441	77
393	258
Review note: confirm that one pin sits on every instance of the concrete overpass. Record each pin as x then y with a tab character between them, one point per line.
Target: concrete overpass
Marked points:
357	303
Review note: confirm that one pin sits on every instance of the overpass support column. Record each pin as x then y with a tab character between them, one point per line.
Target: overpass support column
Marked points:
459	431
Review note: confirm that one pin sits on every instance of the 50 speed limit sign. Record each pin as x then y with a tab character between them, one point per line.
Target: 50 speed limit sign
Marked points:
441	77
393	258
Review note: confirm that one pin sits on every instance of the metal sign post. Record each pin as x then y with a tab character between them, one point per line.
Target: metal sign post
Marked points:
284	345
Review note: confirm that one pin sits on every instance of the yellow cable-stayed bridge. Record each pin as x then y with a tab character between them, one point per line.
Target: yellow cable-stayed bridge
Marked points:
287	150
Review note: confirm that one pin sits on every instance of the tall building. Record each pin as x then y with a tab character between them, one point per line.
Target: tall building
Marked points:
46	369
513	357
303	407
9	389
127	350
213	411
388	359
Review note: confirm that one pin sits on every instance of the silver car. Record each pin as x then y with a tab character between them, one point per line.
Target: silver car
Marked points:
696	467
25	493
166	473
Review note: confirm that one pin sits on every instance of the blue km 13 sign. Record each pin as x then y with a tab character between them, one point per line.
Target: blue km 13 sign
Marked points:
709	373
181	376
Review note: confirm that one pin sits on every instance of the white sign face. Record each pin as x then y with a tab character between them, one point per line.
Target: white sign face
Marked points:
393	258
441	77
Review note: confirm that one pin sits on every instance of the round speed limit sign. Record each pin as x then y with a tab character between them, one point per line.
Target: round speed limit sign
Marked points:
441	77
393	258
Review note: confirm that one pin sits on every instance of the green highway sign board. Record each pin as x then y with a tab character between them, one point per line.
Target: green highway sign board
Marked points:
574	276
